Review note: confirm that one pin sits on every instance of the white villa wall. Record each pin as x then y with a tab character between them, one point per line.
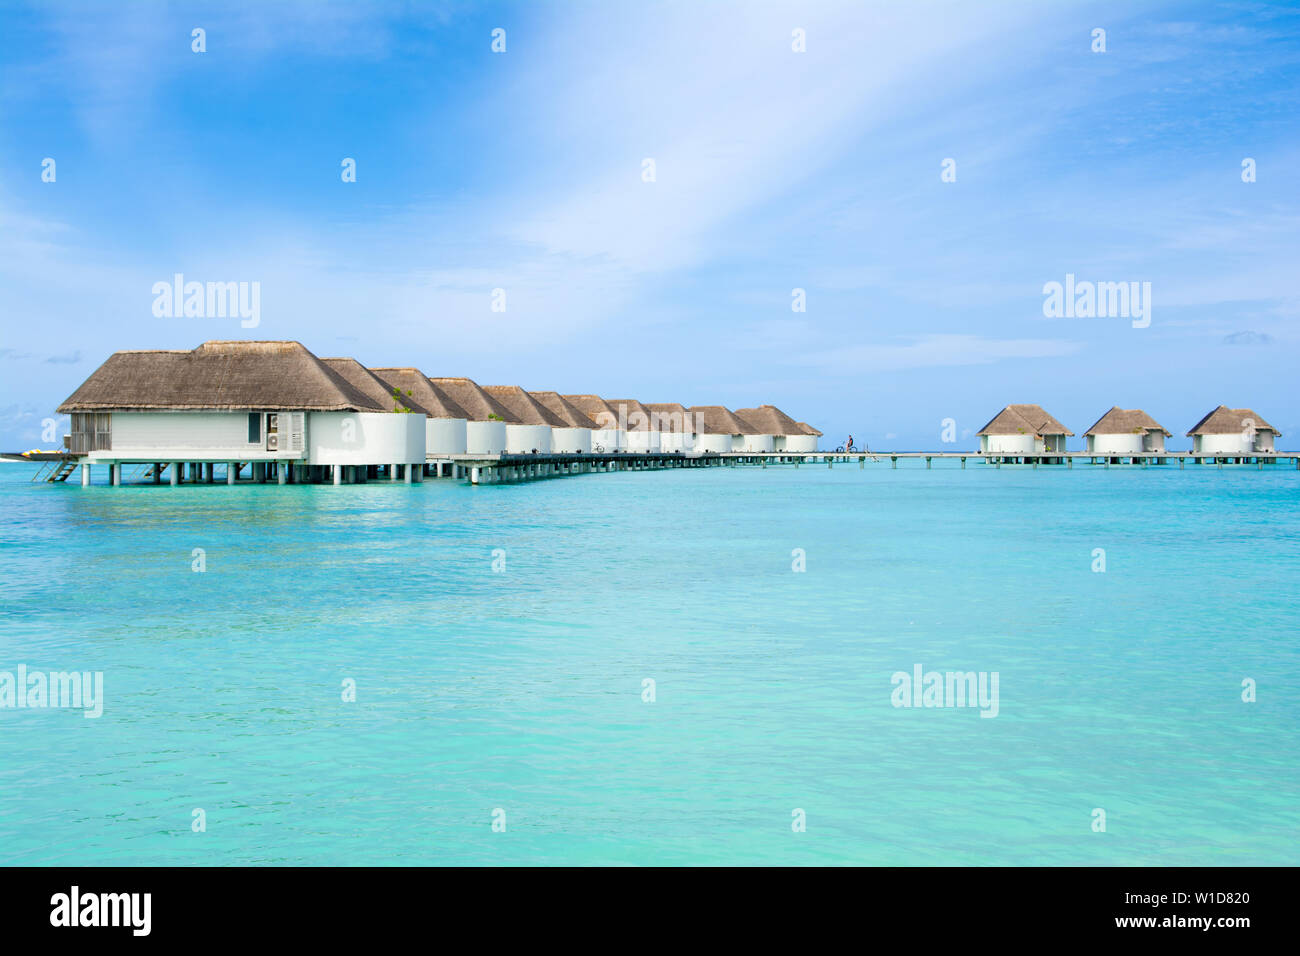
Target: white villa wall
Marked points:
446	436
671	442
755	443
609	439
187	436
799	443
716	443
522	439
365	438
1235	443
639	442
1022	444
1115	444
1010	444
568	440
485	438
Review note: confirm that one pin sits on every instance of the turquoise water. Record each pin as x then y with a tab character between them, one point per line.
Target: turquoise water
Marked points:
522	690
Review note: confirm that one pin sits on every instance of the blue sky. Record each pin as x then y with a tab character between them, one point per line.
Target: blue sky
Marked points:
775	170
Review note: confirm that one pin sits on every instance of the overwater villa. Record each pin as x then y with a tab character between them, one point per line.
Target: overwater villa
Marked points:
674	424
1232	431
1023	430
528	430
635	418
755	438
446	424
1126	431
722	430
608	435
771	421
485	429
806	442
575	434
272	407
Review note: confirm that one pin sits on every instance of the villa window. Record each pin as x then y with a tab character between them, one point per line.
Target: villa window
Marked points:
91	431
254	428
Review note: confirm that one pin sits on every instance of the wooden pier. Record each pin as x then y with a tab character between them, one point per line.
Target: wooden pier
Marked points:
997	459
512	468
499	469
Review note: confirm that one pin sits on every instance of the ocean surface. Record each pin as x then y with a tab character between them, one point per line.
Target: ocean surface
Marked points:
515	694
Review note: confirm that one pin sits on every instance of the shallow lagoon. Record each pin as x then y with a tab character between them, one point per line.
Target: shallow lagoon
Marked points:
523	689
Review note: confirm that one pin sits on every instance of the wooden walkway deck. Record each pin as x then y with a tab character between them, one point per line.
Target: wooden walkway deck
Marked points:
494	469
510	468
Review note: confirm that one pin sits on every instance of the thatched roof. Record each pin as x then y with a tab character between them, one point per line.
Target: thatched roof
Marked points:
478	405
1024	420
370	385
721	421
629	410
222	376
596	408
436	402
1126	421
1229	421
527	409
808	429
570	414
770	420
669	417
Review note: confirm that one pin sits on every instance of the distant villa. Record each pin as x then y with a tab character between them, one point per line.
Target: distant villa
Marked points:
1028	430
1023	430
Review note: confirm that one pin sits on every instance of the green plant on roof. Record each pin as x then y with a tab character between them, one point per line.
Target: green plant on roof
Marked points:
398	406
495	418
